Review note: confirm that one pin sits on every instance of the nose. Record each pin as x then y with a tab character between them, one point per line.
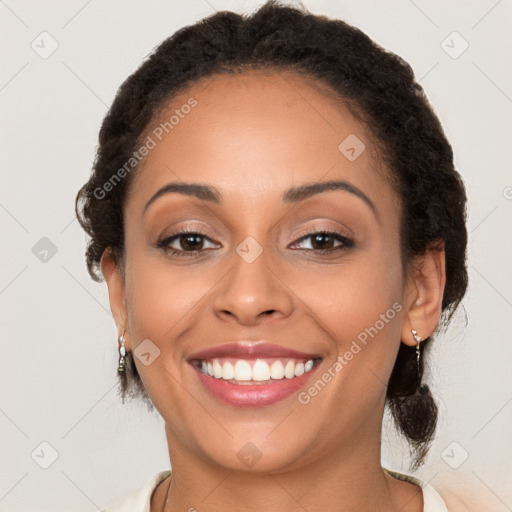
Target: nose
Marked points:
252	292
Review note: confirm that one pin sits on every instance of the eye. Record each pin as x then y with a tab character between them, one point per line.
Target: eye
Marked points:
186	242
324	241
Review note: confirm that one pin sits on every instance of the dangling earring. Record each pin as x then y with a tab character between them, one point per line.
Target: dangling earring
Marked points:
417	339
122	354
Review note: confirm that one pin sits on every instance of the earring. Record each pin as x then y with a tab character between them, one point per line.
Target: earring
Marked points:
417	339
122	354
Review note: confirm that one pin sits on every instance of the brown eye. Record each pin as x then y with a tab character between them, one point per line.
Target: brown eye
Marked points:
191	242
324	241
186	242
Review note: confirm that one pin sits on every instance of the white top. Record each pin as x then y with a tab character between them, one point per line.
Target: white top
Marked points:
139	500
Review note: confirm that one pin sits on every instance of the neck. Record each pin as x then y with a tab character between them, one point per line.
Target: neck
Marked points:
349	479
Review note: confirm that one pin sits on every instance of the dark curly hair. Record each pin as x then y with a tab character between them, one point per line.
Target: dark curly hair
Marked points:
380	89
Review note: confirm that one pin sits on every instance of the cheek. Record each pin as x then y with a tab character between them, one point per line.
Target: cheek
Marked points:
359	305
349	297
160	297
164	305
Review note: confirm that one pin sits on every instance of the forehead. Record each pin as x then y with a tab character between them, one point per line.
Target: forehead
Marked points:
258	132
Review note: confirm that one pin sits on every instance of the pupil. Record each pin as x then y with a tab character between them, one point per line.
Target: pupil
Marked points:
191	242
322	241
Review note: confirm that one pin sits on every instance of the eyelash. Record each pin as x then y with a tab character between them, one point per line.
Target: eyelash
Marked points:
346	243
164	243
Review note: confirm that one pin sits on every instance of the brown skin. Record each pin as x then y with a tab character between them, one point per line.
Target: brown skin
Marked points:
252	136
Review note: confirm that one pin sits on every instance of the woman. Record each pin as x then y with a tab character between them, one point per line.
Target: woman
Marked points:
275	210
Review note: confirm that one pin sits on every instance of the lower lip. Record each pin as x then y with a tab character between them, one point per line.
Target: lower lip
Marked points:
247	395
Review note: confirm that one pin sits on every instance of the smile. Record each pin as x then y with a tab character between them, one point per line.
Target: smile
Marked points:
246	371
253	382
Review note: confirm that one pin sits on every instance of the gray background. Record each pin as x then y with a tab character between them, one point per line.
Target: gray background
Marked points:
59	357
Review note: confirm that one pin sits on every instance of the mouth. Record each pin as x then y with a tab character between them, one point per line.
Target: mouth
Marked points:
254	371
246	375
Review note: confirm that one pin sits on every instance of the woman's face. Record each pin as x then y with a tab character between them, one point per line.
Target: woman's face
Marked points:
259	274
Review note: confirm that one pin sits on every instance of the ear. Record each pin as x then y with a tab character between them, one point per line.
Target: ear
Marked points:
425	289
116	291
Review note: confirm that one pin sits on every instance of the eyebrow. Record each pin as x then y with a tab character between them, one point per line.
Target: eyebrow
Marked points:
291	195
296	194
203	192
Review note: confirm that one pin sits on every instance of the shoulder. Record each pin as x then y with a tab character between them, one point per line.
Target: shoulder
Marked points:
432	501
441	499
140	499
453	502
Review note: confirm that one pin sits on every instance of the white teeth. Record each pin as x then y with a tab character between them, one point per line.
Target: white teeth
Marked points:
217	369
277	370
260	370
242	370
289	370
228	371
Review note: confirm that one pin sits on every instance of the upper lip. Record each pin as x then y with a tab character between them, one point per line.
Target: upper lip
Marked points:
241	349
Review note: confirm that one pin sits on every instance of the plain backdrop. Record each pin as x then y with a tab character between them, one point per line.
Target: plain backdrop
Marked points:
59	404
